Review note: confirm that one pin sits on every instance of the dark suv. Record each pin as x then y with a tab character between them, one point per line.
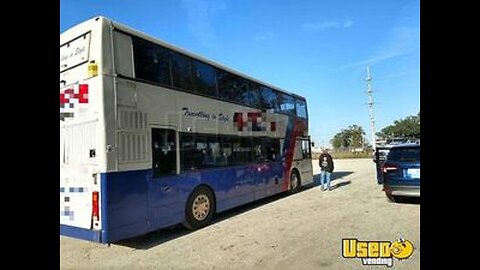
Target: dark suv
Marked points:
401	171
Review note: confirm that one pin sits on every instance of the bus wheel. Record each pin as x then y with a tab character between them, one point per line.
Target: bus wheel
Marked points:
294	182
199	209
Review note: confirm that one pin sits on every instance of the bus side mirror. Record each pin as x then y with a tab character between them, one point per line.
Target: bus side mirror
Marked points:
313	144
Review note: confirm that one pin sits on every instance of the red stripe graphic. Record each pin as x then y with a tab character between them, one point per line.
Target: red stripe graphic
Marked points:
63	99
68	95
82	93
252	121
299	128
238	120
252	116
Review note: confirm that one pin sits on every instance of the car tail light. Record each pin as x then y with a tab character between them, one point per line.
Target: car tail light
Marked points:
388	168
95	206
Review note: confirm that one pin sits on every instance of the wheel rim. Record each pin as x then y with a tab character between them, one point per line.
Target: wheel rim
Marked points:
293	181
201	207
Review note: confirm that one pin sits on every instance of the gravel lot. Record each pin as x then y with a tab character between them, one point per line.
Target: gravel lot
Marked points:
299	231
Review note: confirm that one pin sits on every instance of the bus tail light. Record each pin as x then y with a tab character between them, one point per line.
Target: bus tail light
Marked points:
95	209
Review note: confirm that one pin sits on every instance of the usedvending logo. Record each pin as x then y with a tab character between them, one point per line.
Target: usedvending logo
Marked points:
377	252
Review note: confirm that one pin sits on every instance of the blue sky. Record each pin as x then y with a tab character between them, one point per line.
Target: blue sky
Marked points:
318	49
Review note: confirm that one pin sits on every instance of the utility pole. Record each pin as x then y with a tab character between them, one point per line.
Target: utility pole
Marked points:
370	104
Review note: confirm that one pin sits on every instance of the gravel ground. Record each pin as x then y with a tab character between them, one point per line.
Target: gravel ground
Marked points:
299	231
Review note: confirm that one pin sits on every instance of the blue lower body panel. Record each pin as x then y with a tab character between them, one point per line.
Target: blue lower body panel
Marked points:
89	235
134	203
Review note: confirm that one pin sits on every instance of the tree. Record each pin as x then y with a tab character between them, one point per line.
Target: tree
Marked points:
356	136
348	138
408	128
337	141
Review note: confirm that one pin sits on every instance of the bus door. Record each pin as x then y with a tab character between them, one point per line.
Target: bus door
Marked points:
163	178
302	160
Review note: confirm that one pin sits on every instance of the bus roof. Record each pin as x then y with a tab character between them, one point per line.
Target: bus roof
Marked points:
150	38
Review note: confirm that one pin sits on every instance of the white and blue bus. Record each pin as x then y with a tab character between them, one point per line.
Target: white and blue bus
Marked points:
152	135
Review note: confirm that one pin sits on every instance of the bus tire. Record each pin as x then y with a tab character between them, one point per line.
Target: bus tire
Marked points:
200	208
295	181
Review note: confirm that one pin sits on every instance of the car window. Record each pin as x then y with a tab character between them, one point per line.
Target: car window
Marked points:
407	154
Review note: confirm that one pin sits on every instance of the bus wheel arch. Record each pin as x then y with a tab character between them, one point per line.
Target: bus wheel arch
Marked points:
200	207
295	181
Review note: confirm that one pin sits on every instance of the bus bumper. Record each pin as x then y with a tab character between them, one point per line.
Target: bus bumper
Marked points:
75	232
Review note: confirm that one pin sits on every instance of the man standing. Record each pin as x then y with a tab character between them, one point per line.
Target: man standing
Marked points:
325	162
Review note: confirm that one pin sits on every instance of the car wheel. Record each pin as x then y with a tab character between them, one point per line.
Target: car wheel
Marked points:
199	209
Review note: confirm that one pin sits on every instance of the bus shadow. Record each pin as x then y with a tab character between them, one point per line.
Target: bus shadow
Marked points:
171	233
155	238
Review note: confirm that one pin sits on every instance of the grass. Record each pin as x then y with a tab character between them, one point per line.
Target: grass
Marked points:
345	155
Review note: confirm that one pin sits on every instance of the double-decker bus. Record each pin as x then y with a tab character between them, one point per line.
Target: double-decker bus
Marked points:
152	135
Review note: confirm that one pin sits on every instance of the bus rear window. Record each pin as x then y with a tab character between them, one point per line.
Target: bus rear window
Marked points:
74	52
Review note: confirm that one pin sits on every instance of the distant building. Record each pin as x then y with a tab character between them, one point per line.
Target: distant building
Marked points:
381	142
395	140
